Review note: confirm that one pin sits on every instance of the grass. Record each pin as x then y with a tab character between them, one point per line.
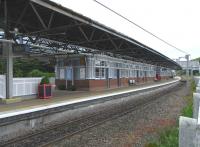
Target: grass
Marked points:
188	109
169	136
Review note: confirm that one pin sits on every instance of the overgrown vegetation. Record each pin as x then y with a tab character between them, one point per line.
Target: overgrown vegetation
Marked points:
197	59
188	109
29	67
169	136
38	73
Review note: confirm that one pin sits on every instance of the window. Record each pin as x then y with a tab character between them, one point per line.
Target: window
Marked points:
112	73
141	73
100	63
99	73
103	63
124	73
102	72
97	63
115	73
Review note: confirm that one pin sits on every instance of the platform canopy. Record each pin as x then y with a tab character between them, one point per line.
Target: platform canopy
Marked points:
46	27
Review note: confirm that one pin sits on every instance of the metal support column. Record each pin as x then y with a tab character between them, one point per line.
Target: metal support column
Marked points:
8	54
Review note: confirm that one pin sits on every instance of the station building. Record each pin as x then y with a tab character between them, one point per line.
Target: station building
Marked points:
194	66
27	33
98	72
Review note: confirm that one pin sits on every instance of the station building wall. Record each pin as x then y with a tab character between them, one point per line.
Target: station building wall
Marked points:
98	72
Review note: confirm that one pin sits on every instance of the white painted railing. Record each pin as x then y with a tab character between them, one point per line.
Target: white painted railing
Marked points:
189	128
2	86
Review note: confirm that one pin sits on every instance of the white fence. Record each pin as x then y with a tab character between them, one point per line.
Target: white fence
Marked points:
25	86
189	128
21	86
2	86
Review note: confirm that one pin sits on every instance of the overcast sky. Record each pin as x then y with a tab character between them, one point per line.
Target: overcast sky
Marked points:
175	21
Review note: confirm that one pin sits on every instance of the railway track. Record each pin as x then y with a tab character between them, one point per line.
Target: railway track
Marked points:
65	130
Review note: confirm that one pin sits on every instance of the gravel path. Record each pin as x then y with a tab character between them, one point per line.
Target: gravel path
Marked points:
136	128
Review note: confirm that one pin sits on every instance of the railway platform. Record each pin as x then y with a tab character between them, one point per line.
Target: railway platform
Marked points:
63	98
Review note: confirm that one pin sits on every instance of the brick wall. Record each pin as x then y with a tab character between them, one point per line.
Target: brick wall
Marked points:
102	84
81	84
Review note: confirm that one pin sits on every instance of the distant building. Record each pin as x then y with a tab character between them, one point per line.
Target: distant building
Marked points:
193	65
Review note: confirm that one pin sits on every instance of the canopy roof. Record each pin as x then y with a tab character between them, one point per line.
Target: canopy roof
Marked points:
62	28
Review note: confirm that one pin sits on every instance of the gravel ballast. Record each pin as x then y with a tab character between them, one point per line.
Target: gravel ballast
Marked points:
136	128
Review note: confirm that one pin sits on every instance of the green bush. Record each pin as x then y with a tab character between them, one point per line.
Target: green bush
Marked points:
18	73
49	74
45	80
36	73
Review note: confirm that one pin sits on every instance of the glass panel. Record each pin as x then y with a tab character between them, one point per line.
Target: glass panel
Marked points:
97	72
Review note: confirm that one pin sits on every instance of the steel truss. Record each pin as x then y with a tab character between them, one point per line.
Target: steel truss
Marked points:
43	27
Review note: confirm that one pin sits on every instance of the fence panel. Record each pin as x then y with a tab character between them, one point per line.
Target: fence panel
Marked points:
25	86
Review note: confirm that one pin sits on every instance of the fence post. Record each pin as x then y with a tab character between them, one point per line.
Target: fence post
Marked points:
187	132
196	100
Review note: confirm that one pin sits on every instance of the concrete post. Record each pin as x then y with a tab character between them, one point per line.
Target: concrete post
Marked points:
187	132
8	54
196	100
197	138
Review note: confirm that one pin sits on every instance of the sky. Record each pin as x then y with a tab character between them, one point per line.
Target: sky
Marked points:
175	21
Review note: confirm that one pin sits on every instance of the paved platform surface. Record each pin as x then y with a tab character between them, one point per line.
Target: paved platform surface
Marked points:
62	98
